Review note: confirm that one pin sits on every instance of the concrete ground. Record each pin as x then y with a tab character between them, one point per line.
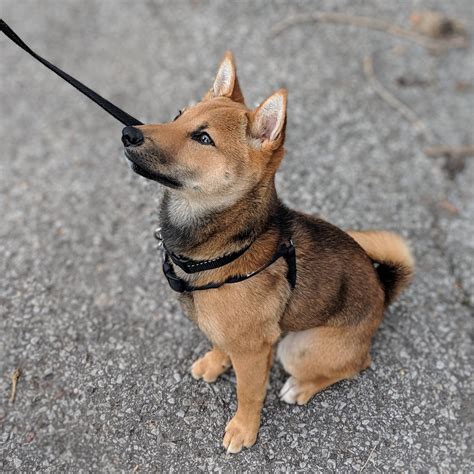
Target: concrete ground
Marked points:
105	350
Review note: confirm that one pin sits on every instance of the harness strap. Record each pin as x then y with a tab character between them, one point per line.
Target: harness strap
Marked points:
112	109
285	250
193	266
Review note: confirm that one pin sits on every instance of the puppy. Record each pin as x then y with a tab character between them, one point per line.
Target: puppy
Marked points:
249	270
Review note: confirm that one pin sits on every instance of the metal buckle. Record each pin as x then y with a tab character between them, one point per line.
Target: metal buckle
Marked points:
159	238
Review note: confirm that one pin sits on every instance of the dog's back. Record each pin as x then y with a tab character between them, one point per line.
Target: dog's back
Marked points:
345	282
337	281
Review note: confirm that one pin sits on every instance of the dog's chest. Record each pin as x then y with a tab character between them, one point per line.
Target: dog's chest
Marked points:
237	317
208	314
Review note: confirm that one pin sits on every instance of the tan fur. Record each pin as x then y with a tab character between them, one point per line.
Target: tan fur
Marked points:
209	367
225	199
388	248
319	357
383	246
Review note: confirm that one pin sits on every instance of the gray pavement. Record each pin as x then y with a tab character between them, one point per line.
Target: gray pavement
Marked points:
105	350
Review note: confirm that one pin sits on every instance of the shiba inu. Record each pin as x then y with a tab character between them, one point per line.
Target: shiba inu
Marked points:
251	272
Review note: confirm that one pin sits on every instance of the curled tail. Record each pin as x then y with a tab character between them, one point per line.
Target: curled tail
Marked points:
390	251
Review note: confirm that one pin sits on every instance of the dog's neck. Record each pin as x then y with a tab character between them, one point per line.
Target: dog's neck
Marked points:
198	231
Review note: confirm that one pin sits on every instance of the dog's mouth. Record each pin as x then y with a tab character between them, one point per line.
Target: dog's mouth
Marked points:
142	170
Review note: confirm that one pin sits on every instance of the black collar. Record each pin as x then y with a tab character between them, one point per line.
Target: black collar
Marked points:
286	250
193	266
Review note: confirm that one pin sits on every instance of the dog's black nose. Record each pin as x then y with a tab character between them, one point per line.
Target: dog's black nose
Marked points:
132	136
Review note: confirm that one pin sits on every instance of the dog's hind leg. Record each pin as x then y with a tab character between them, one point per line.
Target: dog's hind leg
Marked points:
319	357
211	365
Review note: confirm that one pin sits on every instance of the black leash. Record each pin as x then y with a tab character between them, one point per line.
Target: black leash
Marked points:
112	109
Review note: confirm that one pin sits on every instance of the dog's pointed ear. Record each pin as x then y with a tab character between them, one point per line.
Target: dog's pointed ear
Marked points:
226	83
268	121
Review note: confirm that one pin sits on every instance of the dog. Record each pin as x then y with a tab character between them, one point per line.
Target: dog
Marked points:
217	160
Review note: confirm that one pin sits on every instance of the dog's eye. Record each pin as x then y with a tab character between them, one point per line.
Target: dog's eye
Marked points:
180	112
203	138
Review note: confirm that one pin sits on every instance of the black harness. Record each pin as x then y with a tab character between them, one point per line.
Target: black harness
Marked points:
286	250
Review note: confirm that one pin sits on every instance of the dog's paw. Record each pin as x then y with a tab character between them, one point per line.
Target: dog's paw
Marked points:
239	434
209	367
294	391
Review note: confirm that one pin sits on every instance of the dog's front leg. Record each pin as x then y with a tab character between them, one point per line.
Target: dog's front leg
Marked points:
252	371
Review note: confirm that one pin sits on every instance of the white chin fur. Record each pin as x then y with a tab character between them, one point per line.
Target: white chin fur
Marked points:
183	210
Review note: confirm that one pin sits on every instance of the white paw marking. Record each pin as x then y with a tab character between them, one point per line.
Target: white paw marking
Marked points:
290	391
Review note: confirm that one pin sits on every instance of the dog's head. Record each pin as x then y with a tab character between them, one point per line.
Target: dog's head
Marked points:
217	148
